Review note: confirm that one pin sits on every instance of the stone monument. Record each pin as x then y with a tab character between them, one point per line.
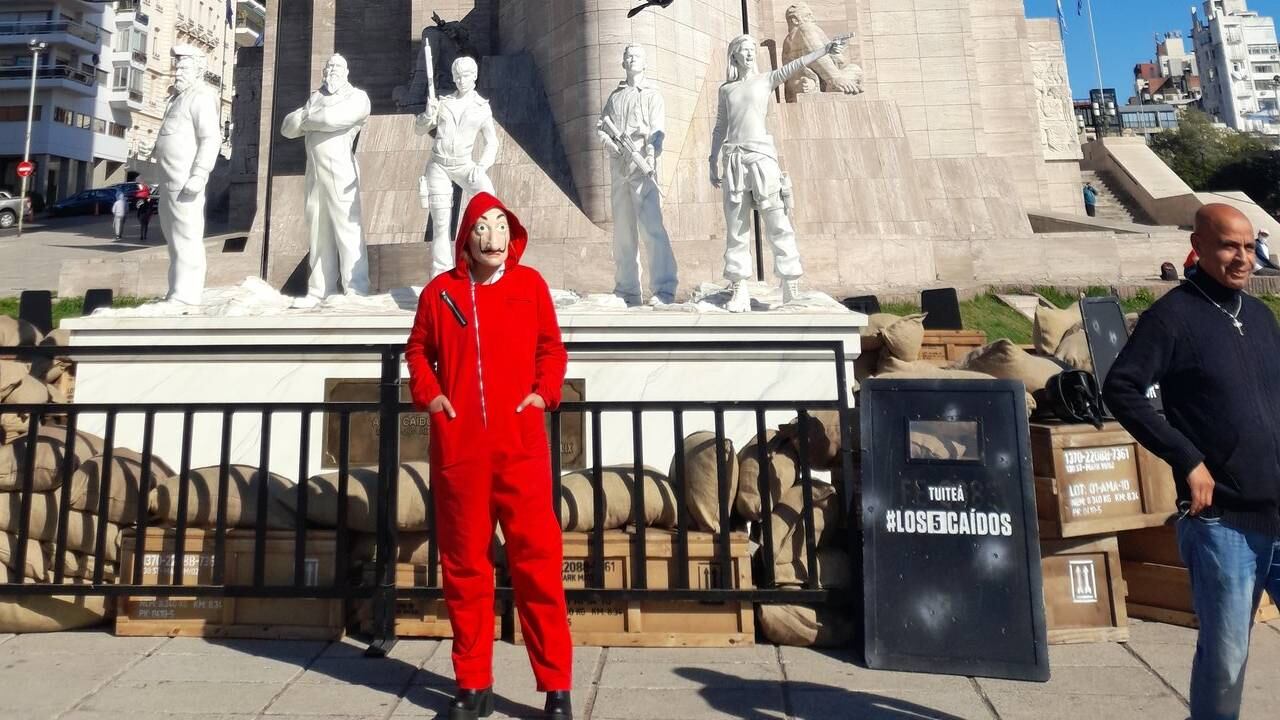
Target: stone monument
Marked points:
833	73
632	128
186	150
458	119
330	121
744	165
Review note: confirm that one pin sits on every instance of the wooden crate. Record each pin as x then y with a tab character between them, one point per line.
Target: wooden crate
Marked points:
943	347
1084	590
655	623
1095	482
419	617
270	618
1159	584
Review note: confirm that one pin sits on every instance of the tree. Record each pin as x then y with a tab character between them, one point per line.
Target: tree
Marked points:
1198	151
1257	176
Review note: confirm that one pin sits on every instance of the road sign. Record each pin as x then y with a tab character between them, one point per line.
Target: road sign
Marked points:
25	169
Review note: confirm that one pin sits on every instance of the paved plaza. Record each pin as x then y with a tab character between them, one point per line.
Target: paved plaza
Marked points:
95	676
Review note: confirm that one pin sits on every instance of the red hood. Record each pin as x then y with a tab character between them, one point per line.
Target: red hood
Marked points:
479	205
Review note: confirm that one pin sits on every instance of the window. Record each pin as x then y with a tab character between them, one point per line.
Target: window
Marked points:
117	130
63	116
100	126
1264	85
84	122
1263	50
18	113
1264	68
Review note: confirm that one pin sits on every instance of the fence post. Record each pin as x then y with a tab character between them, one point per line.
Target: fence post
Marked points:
384	598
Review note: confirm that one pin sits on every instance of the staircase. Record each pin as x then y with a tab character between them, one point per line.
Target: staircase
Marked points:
1114	204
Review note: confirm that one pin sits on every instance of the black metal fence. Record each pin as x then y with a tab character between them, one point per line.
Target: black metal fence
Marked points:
380	586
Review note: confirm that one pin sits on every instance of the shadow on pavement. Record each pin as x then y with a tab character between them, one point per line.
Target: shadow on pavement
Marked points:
836	702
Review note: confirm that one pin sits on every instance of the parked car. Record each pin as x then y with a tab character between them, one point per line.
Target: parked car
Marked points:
134	190
10	206
87	202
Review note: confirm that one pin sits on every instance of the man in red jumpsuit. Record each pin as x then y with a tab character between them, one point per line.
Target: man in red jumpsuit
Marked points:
486	361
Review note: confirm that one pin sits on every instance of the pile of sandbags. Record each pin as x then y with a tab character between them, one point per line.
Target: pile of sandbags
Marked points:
28	378
1060	334
577	499
84	519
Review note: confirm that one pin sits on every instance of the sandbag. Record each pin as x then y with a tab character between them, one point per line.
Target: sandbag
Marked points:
126	478
1004	360
362	498
783	467
243	485
918	371
1050	325
76	565
82	527
870	333
702	483
806	626
834	570
11	374
51	449
1074	350
28	391
34	613
33	566
577	508
49	368
903	339
822	431
788	528
15	332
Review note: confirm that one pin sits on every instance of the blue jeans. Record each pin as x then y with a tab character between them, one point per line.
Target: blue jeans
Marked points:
1229	571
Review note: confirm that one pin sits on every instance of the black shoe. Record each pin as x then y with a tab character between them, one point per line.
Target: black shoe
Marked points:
558	706
472	704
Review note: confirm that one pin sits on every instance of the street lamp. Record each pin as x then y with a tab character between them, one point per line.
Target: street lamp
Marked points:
36	47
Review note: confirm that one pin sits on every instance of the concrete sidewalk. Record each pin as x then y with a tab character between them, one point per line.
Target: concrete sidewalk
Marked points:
94	676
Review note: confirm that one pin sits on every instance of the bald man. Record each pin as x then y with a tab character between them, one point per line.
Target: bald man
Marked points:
1215	352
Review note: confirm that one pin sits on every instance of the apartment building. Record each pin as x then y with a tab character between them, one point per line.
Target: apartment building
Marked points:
1239	63
80	128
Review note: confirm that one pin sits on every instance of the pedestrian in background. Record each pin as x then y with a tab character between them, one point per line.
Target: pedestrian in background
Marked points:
119	209
146	209
1090	200
1215	352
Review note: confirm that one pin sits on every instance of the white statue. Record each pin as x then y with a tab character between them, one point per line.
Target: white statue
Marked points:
744	163
330	121
187	148
458	119
632	128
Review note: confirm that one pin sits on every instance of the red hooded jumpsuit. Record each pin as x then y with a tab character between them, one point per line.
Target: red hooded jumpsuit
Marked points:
491	463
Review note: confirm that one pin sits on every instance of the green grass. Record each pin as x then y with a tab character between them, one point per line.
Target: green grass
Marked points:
998	320
68	307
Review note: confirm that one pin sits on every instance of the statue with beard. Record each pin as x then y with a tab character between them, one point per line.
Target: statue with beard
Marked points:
330	121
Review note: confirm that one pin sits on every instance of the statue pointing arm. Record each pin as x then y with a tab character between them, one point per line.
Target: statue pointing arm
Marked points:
793	68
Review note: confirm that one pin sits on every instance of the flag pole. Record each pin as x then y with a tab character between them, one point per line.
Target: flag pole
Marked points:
1097	61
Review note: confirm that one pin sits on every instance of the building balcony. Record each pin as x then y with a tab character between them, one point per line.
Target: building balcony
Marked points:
77	80
63	32
126	99
247	36
130	12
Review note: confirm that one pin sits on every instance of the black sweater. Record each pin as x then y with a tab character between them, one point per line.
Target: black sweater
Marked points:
1221	394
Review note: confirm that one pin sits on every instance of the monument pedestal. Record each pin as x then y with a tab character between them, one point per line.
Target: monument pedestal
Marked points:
624	374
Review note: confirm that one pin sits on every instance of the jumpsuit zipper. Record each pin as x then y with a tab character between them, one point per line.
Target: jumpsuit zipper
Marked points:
475	308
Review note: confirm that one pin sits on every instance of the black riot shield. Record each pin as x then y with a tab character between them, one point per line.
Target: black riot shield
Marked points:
951	551
1104	328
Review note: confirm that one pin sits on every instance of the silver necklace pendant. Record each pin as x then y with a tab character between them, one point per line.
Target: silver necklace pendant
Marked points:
1239	325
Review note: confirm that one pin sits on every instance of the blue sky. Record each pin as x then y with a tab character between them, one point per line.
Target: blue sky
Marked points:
1126	30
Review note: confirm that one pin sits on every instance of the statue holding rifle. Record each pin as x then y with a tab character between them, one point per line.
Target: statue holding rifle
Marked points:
631	127
458	120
